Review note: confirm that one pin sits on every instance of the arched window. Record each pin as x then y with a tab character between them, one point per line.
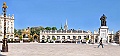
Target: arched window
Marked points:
0	21
0	29
79	37
68	37
7	36
0	26
7	29
74	37
53	37
58	37
11	29
8	23
63	37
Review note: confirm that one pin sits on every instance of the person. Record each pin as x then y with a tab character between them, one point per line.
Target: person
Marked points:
100	43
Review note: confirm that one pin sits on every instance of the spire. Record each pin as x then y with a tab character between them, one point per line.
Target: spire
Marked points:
66	22
66	26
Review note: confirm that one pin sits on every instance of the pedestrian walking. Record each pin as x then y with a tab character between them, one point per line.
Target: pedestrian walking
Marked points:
100	43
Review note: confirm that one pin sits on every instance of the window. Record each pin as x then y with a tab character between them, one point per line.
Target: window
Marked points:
11	30
0	27
53	37
58	37
68	37
48	37
0	21
84	37
8	23
43	37
7	36
63	37
74	37
79	37
7	29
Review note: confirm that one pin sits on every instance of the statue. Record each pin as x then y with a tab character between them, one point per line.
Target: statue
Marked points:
103	20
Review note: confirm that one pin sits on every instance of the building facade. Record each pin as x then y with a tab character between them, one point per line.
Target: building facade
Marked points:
64	35
9	26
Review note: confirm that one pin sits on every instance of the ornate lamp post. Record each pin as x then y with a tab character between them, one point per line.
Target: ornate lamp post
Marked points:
4	45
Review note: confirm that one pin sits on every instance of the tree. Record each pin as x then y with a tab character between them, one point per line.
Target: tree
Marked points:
32	31
36	30
20	37
48	28
19	32
41	28
54	28
15	31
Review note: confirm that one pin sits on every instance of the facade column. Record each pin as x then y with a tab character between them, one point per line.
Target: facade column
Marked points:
108	38
93	38
112	38
76	38
61	38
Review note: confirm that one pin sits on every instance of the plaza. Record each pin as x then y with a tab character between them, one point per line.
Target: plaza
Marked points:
64	49
57	42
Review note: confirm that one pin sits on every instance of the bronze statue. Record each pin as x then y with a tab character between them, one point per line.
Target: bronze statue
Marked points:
103	20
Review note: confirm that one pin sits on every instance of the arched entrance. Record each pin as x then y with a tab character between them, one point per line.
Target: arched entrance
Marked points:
110	39
63	39
35	38
43	39
74	39
96	39
26	35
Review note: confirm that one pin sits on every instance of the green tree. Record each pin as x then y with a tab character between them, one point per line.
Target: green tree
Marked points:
54	38
41	28
15	31
32	31
20	37
36	30
48	28
19	32
54	28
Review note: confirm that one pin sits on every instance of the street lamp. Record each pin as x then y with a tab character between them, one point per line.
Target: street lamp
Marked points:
4	45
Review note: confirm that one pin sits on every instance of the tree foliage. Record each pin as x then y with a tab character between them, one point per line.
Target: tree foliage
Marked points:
19	32
15	31
54	28
34	30
48	28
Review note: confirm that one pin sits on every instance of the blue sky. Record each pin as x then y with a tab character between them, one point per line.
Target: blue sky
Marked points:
83	14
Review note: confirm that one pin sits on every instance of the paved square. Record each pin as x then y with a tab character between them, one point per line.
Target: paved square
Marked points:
38	49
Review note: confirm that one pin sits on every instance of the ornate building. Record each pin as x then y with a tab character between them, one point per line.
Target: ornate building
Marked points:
78	35
26	34
65	35
9	26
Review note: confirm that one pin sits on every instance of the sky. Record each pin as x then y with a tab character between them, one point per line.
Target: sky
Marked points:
80	14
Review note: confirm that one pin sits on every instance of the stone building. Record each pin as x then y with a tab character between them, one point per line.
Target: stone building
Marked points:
65	35
78	35
9	27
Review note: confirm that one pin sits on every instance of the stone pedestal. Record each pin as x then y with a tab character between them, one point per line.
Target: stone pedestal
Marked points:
103	33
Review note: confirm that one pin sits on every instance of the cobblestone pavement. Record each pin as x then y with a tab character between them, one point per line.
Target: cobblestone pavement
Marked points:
39	49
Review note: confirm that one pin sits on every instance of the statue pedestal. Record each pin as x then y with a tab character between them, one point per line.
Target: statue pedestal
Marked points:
103	33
